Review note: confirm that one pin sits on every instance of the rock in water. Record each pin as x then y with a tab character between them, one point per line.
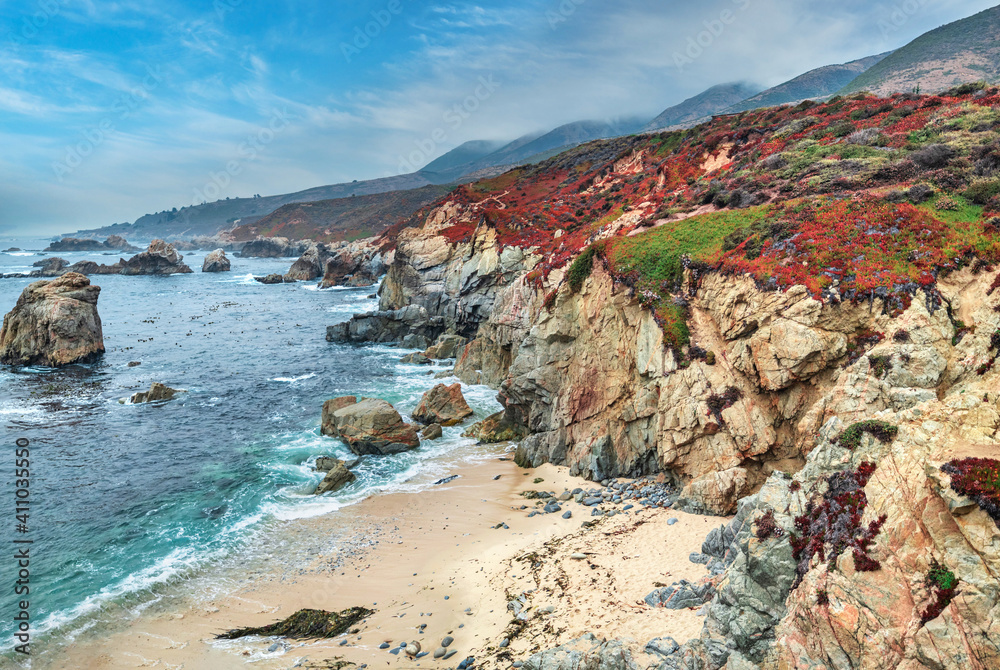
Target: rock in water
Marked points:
496	428
432	432
156	393
217	261
330	407
271	279
337	477
54	323
371	426
159	259
310	264
444	405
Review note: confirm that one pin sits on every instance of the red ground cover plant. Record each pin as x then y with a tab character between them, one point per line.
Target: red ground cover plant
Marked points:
832	524
979	479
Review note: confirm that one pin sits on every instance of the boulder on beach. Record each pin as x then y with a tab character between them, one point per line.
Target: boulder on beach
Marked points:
217	261
157	392
54	323
496	428
444	405
371	426
159	259
338	475
330	407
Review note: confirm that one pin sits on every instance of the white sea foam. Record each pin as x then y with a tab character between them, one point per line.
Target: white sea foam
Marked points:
292	380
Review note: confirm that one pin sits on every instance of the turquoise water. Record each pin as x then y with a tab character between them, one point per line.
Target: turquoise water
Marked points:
128	499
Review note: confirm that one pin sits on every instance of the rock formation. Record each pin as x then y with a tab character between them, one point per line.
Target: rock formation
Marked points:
310	264
337	477
157	393
159	259
217	261
272	247
272	279
114	242
352	264
371	426
444	405
54	323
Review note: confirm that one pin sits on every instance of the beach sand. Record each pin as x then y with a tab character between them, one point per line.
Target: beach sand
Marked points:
433	558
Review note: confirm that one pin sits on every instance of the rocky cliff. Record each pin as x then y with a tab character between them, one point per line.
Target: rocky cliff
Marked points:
662	305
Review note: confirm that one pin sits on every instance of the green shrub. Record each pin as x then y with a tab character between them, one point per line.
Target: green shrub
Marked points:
581	268
882	431
982	191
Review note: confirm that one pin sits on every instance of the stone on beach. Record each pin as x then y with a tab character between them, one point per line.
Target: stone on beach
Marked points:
443	405
54	323
371	426
432	432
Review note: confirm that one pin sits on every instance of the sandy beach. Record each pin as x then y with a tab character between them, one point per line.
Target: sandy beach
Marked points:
431	565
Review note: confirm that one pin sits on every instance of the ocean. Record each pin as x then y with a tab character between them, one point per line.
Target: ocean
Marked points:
129	501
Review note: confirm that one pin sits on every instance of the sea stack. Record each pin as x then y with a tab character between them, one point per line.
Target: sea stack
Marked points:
217	261
54	323
159	259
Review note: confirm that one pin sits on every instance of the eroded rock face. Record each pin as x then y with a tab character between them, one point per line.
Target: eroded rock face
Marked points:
54	323
352	264
371	426
217	261
159	259
272	247
443	405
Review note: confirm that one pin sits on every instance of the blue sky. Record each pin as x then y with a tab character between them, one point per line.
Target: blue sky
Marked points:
114	109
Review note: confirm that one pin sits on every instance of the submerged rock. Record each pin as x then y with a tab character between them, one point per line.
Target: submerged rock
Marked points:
159	259
217	261
156	393
54	323
444	405
371	426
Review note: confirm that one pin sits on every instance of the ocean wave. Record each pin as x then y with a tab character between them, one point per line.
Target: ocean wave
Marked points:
292	380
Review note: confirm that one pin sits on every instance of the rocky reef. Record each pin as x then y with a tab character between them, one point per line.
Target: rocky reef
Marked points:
55	323
216	261
113	242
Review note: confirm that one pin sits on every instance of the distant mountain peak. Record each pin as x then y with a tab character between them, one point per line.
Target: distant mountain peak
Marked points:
704	105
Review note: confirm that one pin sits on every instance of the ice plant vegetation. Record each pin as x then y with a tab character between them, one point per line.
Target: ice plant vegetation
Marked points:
979	479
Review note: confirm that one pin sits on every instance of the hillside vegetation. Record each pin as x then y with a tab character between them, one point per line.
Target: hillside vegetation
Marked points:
341	219
856	198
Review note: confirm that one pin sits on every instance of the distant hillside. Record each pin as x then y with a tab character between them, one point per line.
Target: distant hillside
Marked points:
957	53
462	155
818	83
535	147
703	105
213	217
342	219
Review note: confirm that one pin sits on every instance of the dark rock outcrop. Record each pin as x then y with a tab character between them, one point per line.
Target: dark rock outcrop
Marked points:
114	242
391	326
272	247
54	323
273	279
443	405
119	243
310	264
217	261
157	392
371	426
159	259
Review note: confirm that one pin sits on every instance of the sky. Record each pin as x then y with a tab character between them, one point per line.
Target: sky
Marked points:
113	109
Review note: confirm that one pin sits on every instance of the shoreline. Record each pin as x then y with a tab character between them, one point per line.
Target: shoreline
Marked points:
433	557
